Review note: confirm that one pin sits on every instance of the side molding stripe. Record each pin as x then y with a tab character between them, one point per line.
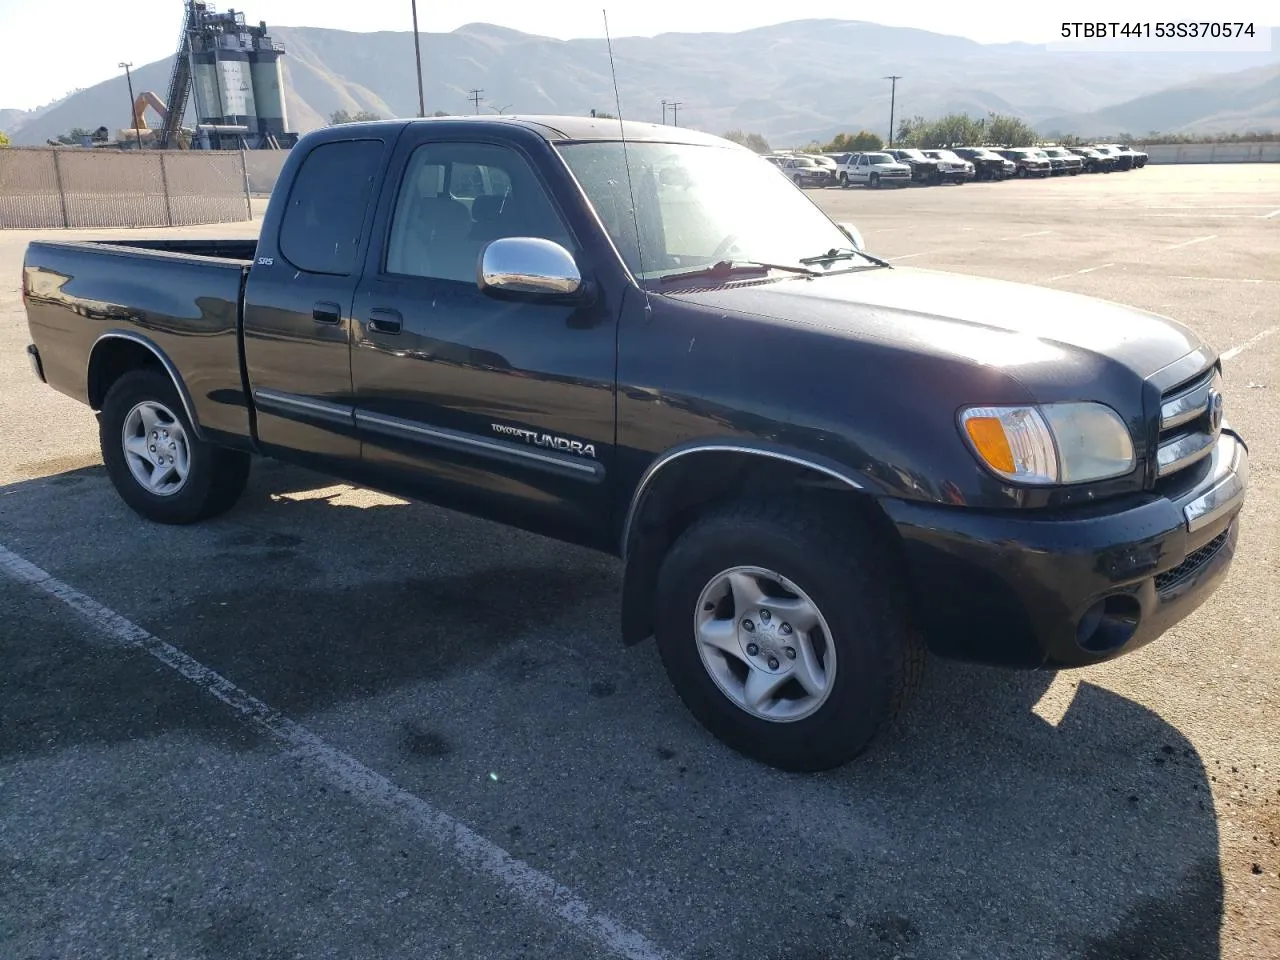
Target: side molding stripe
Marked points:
467	443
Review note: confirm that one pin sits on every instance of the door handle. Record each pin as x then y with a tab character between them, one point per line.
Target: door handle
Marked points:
326	312
385	321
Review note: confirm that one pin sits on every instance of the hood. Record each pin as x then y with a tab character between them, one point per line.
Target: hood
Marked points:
986	321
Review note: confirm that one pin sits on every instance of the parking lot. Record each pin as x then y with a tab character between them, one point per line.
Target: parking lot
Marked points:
336	724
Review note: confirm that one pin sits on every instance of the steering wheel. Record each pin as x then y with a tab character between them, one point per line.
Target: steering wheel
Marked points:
724	247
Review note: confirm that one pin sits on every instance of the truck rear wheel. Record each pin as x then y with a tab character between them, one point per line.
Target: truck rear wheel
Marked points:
784	633
154	459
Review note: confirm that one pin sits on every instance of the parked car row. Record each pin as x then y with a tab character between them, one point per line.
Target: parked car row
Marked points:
903	167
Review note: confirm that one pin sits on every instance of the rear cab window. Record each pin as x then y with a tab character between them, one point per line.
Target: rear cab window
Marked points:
322	225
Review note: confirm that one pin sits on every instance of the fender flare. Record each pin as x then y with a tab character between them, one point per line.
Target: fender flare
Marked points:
187	406
751	448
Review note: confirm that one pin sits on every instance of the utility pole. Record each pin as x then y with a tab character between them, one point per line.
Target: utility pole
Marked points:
675	113
893	96
417	55
474	97
664	111
133	113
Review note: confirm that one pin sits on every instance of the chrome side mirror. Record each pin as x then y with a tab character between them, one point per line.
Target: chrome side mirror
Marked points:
528	265
854	236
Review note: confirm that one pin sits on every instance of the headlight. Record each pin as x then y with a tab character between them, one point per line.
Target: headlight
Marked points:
1051	443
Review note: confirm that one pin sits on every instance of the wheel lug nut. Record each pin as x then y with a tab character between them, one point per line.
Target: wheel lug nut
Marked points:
752	649
748	626
791	653
764	616
786	629
152	448
773	663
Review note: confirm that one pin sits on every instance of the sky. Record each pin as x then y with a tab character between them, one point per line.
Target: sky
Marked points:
55	46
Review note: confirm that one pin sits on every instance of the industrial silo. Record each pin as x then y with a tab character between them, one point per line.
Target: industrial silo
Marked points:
268	85
204	85
235	83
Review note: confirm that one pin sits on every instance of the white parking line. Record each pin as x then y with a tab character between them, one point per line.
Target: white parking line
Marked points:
1076	273
1023	236
1252	341
349	774
907	256
1187	243
1273	213
1223	279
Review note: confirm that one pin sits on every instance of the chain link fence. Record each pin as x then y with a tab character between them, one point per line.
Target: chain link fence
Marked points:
48	187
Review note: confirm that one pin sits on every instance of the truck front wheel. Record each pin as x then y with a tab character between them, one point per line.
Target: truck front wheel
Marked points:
157	464
785	634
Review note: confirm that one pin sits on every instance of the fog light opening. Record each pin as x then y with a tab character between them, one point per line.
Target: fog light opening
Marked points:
1109	623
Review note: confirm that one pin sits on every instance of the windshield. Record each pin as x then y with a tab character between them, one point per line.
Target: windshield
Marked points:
879	158
804	162
914	154
945	155
689	204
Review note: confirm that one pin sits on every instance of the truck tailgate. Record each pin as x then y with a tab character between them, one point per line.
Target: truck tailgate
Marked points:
184	307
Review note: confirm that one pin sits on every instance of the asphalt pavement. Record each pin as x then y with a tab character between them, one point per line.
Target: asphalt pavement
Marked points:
333	723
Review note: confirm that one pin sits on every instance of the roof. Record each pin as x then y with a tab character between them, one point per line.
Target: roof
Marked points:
569	128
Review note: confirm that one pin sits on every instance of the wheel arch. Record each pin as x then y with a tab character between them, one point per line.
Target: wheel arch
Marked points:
685	481
117	352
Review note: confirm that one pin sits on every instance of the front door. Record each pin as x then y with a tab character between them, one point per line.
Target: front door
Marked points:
499	408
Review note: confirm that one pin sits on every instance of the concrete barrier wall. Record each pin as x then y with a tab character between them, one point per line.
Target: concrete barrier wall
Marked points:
71	187
263	167
1268	152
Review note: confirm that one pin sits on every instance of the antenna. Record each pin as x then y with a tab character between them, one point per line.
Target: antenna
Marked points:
626	161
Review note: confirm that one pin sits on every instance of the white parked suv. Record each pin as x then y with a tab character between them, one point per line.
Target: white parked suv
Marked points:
873	170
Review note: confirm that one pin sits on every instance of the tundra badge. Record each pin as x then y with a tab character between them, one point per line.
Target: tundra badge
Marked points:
546	440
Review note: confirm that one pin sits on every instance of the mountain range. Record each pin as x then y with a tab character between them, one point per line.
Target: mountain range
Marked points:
792	82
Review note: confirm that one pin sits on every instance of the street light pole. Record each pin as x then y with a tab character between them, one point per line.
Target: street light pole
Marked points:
893	96
133	110
417	56
664	111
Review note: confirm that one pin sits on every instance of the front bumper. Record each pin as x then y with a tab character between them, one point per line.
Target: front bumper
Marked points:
1076	587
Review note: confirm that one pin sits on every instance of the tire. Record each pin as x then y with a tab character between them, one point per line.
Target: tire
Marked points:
875	181
215	476
878	656
844	181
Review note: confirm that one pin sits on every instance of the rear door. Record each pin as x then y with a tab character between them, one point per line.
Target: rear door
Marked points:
503	408
297	314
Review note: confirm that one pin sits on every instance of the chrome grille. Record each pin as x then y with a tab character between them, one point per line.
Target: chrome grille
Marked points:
1190	421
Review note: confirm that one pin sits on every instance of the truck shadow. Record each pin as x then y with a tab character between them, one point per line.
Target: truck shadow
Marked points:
1010	808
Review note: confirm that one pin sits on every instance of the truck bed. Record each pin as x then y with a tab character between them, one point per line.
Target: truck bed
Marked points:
179	299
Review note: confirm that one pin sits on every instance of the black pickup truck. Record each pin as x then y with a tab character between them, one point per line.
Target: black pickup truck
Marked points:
814	465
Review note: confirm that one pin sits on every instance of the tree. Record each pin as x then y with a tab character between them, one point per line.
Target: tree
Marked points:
752	141
1009	131
341	116
865	140
4	141
75	137
910	129
601	115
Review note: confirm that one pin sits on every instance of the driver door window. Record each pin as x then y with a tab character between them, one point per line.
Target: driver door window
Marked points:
455	198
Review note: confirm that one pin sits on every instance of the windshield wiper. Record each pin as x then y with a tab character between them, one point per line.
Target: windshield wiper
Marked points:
846	254
726	268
